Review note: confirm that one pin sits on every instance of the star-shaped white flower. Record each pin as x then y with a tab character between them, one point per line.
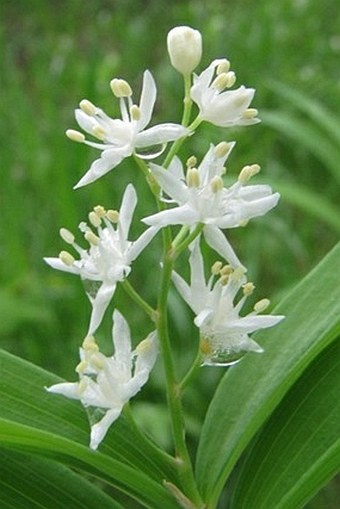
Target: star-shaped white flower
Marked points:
202	198
122	137
224	334
106	384
109	256
224	108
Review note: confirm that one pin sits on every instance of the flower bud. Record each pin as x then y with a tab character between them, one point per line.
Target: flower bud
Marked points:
184	48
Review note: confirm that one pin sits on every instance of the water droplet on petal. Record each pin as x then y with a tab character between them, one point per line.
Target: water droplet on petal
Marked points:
223	357
151	152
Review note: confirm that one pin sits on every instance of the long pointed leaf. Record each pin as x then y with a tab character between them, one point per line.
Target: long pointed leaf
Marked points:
250	391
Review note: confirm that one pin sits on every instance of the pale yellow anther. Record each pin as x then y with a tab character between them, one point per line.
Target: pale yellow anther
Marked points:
99	132
220	82
193	177
144	346
66	235
97	360
99	210
94	219
222	149
248	288
226	270
89	344
230	79
75	135
135	112
238	273
87	107
243	223
92	238
248	172
66	258
113	216
250	113
261	305
241	100
191	162
224	279
120	88
216	267
216	184
82	366
223	67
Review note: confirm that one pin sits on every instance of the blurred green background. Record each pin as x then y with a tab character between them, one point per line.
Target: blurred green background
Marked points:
55	53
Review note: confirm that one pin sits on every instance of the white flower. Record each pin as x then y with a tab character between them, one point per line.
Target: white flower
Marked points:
202	198
107	383
123	137
222	107
224	334
109	256
184	48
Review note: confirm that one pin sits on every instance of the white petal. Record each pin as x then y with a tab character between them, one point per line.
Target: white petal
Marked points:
178	215
121	340
176	169
126	210
250	324
70	390
161	133
198	286
99	430
182	287
147	100
56	263
86	122
147	352
202	317
218	241
100	304
137	247
170	184
109	159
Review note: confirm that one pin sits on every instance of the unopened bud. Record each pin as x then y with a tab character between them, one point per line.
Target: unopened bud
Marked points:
184	48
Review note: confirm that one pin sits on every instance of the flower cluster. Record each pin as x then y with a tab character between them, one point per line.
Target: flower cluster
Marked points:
193	196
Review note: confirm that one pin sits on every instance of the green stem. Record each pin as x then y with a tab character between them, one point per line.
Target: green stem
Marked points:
139	300
152	183
177	249
192	372
187	100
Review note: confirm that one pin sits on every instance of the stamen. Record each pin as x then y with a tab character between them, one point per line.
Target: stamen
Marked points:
224	279
82	366
99	132
222	149
231	78
75	135
261	305
92	238
100	211
135	112
191	162
98	360
250	113
66	258
216	184
223	67
113	216
87	107
248	288
120	88
66	235
238	273
220	82
82	386
226	270
216	267
144	346
89	344
94	219
248	172
193	177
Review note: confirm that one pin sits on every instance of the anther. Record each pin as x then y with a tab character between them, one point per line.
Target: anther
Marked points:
66	258
89	344
82	386
99	132
120	88
248	172
144	346
81	367
216	184
113	216
66	235
250	113
226	270
94	219
261	305
92	238
222	149
224	279
87	107
193	177
98	360
191	162
75	135
238	273
135	112
223	67
230	79
99	210
216	267
220	82
248	288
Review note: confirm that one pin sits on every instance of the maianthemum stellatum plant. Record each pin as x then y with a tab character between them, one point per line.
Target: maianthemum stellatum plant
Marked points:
271	394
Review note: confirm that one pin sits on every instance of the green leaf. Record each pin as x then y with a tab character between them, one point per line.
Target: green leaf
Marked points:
37	483
298	450
250	391
123	477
